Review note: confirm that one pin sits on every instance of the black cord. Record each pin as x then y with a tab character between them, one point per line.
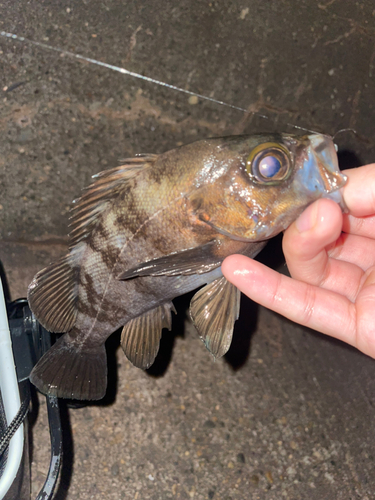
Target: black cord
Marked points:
30	341
56	440
56	448
15	423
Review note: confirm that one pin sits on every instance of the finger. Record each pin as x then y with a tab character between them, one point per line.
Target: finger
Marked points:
322	310
365	313
362	226
359	192
354	249
305	249
305	241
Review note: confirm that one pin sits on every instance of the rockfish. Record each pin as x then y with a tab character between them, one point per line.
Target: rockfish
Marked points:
160	226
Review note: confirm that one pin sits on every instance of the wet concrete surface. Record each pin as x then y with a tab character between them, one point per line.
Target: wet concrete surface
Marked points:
288	413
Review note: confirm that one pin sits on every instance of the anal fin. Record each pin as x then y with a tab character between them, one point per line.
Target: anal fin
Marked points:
214	310
140	337
70	371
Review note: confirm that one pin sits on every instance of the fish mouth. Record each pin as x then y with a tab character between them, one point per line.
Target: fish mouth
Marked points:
325	157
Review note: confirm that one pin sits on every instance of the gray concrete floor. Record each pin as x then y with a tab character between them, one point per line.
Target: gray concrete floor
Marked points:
288	413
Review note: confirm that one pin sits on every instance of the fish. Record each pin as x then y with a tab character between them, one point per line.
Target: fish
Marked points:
159	226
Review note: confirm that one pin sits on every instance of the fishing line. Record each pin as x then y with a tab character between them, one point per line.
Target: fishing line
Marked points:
342	130
132	74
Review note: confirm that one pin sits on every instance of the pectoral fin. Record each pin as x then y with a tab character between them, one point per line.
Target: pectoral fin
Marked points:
193	261
140	337
214	310
198	260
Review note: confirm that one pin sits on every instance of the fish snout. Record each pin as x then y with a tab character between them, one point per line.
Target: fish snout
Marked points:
325	156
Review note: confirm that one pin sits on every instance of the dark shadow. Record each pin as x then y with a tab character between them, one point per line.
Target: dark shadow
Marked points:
111	345
67	467
164	356
330	340
5	283
271	256
348	159
321	336
32	418
244	328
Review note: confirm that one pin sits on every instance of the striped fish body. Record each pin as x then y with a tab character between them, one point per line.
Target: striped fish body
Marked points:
158	227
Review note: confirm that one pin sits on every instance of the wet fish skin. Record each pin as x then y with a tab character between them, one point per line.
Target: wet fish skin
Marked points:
158	227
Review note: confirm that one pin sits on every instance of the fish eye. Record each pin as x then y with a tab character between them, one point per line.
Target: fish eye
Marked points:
269	163
269	166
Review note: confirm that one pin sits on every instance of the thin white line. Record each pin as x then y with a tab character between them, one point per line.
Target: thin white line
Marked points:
124	247
124	71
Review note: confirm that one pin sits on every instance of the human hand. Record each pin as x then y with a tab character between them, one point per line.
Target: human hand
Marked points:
331	258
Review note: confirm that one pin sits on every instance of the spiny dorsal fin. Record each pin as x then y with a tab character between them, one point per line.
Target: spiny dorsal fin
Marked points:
140	337
214	310
96	197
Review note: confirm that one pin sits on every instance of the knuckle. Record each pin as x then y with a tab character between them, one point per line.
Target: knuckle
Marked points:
276	295
309	304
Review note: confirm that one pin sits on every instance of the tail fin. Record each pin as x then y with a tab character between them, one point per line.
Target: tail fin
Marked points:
72	372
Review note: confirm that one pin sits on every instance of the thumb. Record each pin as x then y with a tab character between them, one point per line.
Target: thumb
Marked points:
306	240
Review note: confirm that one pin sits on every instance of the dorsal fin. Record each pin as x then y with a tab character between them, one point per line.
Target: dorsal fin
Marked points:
97	196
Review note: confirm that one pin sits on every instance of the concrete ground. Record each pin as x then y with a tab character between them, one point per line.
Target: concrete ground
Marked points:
288	413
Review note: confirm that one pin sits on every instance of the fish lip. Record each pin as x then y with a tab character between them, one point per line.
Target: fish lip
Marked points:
338	197
325	155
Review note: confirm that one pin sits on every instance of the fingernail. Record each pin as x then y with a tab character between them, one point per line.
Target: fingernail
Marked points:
307	219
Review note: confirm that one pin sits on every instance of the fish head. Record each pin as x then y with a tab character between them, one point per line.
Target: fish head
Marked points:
268	182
